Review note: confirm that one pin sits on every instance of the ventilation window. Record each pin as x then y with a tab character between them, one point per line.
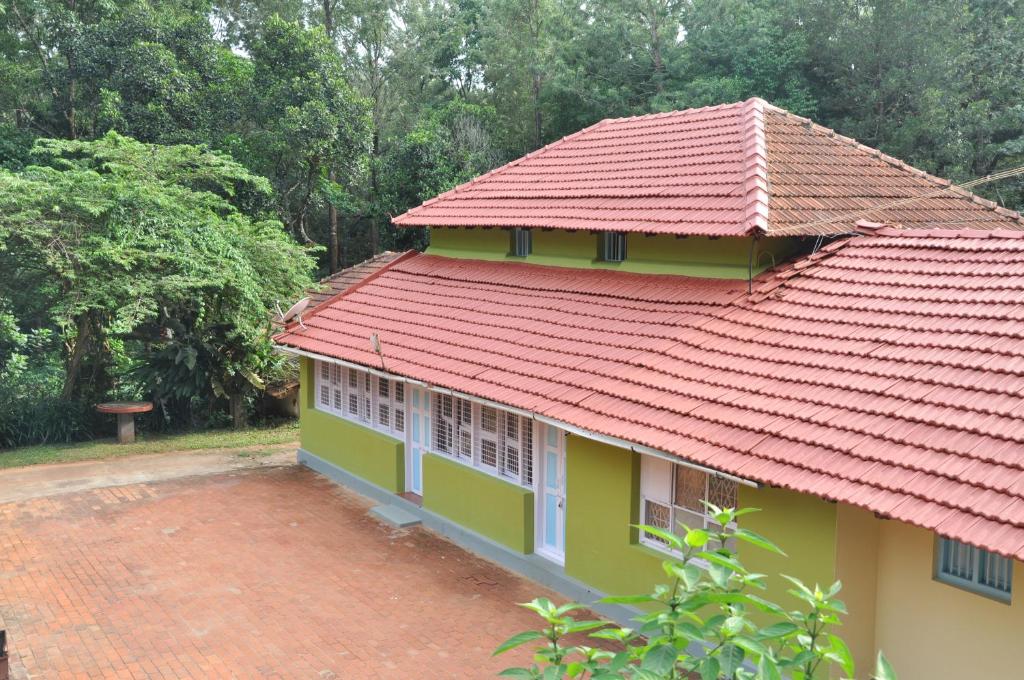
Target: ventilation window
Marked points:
973	569
522	242
612	246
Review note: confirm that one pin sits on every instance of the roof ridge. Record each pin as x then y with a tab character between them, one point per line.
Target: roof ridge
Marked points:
940	182
755	166
689	111
499	169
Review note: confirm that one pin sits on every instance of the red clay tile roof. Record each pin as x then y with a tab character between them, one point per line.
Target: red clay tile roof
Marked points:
720	171
342	280
885	371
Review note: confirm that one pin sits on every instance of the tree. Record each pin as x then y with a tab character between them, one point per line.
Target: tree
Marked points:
138	245
304	119
709	622
151	70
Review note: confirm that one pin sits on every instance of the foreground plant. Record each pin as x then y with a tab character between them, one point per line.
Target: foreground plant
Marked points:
709	623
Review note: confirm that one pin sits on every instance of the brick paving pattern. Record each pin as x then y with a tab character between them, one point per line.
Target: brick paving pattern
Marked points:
258	574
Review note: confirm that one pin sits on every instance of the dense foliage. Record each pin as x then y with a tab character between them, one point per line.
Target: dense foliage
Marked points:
344	114
139	275
709	622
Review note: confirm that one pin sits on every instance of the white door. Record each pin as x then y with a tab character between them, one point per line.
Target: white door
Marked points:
551	499
418	438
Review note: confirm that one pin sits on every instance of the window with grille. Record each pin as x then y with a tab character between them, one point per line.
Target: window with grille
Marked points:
673	496
612	246
359	396
973	569
521	242
485	437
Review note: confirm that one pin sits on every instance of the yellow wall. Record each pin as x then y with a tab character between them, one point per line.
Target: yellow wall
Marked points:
803	526
857	567
663	254
930	630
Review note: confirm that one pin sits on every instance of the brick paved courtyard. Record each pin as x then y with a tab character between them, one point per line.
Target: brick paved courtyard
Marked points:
262	573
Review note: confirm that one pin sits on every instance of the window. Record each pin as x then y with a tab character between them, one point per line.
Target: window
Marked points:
362	397
672	495
485	437
612	246
973	569
521	242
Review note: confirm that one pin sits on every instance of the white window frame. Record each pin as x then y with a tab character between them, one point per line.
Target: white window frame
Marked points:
505	449
658	488
965	566
358	396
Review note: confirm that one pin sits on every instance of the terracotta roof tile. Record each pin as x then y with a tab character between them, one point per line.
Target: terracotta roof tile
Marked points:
884	374
720	171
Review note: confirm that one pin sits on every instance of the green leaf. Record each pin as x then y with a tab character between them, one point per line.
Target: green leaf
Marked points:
709	668
842	652
757	539
660	659
666	536
516	673
776	630
518	640
883	669
697	538
767	669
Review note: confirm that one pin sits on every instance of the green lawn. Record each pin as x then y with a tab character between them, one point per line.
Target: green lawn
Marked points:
193	441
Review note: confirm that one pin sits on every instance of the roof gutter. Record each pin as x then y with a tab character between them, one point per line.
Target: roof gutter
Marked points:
572	429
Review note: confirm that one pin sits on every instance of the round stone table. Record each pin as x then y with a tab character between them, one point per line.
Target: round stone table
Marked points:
125	411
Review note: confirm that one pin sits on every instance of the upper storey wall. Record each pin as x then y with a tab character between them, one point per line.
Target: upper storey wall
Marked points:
721	258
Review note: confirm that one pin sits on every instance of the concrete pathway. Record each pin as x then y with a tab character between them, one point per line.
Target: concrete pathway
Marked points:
39	481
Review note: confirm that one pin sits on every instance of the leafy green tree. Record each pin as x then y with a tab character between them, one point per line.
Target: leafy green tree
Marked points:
710	622
304	119
151	70
140	245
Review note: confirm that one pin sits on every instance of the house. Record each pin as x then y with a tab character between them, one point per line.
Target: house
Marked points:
729	303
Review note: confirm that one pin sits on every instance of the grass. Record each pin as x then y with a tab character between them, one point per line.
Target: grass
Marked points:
193	441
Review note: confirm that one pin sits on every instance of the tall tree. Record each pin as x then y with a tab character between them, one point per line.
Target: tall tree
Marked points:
303	119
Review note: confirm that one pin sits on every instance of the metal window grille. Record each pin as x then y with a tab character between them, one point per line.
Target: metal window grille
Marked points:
444	423
613	246
489	435
522	242
337	384
527	451
383	402
325	383
684	507
464	427
974	569
658	516
353	393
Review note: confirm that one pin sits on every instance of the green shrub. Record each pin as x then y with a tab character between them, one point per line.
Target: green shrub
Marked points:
709	623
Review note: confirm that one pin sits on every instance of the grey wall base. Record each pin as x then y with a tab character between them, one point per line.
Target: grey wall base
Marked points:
533	567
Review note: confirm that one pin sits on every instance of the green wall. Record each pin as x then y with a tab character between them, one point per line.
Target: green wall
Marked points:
364	452
803	526
489	506
603	499
662	254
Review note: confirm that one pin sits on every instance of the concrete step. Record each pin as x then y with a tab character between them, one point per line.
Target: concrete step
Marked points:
395	516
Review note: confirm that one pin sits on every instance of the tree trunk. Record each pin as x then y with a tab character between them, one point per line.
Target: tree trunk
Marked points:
83	338
332	230
236	404
375	193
